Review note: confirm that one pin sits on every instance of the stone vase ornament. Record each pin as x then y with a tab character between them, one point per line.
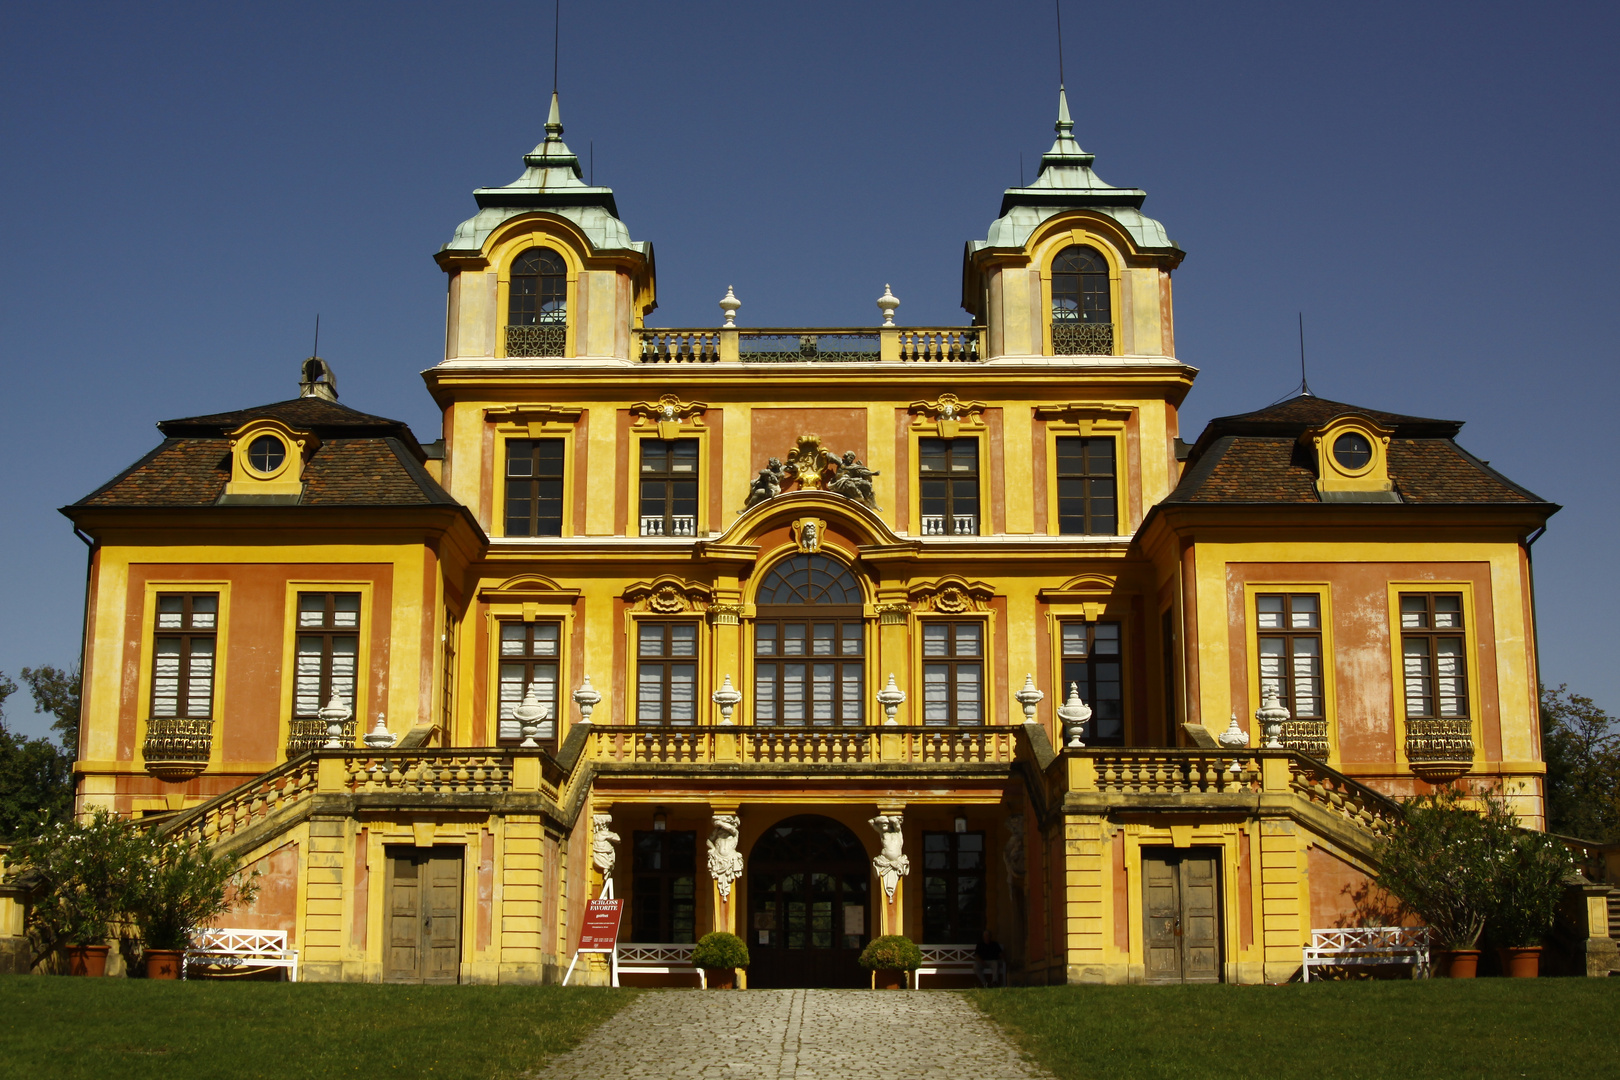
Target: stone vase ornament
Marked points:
887	303
1029	697
587	698
1234	739
379	737
334	714
727	698
891	697
530	715
1271	715
163	963
1074	713
729	306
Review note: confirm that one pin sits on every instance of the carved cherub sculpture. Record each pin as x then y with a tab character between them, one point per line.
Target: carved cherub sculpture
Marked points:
725	861
890	863
767	485
854	480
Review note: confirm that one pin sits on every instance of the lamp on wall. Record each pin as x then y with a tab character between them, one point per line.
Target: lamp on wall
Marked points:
961	822
660	820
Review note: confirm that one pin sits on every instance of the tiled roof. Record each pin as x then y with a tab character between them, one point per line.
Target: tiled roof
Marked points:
1273	469
341	472
325	418
1311	411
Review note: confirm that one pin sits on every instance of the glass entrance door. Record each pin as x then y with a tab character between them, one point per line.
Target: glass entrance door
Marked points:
809	885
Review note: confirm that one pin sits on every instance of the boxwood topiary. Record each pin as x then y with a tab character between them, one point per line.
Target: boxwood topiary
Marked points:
894	952
720	950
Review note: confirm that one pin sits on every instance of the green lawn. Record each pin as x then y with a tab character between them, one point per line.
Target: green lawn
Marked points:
1433	1029
132	1029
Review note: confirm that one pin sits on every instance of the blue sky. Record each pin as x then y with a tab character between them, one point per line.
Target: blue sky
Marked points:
184	186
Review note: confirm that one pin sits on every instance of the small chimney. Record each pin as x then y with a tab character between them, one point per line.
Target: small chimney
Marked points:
318	380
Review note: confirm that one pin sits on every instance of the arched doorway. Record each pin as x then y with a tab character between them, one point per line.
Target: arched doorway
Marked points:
809	886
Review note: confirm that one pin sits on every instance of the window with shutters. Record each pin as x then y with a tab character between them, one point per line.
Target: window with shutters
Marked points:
183	651
948	486
534	487
953	672
1290	638
1434	654
325	664
666	672
529	656
1093	663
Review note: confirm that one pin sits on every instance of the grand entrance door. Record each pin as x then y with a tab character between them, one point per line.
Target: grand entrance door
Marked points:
1181	912
424	915
808	911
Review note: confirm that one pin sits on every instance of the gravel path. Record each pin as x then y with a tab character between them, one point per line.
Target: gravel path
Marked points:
796	1035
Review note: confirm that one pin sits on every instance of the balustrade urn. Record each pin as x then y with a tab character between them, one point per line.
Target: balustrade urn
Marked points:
379	737
587	698
1271	715
887	303
727	698
1029	697
1074	713
530	715
729	305
891	697
334	714
1234	738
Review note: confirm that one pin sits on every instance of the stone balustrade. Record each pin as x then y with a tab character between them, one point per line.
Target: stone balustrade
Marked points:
820	345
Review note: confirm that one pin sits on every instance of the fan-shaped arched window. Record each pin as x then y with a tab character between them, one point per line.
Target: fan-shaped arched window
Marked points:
809	645
537	304
809	579
1082	310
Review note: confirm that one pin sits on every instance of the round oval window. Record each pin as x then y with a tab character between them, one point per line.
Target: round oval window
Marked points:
266	453
1352	450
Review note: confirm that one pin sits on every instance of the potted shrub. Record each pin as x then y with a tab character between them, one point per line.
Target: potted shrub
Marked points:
1529	886
720	955
81	870
1439	863
180	885
888	958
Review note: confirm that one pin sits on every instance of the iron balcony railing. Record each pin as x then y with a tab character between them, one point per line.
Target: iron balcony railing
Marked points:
177	748
1071	338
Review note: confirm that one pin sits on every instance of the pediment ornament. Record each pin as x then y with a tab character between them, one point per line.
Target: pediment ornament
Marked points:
668	596
811	467
950	413
669	413
952	596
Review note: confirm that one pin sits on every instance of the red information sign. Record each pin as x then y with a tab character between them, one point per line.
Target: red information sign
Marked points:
601	927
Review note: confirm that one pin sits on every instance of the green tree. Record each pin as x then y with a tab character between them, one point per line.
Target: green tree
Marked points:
36	779
56	692
1581	745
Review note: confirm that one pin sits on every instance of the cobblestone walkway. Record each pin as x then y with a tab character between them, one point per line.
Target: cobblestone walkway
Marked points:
795	1035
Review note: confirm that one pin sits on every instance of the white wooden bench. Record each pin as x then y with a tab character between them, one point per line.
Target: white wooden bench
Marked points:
662	958
953	960
1366	946
231	949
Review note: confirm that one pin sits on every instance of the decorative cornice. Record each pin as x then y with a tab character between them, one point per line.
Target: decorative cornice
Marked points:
949	412
669	412
1073	412
533	413
669	595
951	595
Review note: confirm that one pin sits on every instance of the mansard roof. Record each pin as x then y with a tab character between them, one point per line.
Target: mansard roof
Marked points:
1260	457
362	460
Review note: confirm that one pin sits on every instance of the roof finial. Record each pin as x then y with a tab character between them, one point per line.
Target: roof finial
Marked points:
1064	126
554	128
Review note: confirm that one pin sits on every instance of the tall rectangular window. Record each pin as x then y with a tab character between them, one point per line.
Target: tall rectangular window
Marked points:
953	887
953	673
809	672
1087	500
1434	656
666	673
183	655
948	486
1092	662
664	904
534	487
1289	629
328	653
669	487
529	653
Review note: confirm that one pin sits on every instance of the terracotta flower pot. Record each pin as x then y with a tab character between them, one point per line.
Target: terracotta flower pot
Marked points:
1521	963
1460	963
163	963
87	959
888	979
720	978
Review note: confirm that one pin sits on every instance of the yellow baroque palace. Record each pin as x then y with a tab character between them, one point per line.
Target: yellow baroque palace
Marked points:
810	634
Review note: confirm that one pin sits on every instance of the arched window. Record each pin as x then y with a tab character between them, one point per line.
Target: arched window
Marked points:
1082	312
809	645
537	304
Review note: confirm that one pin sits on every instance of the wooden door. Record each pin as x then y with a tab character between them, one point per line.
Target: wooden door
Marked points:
1181	916
809	912
424	915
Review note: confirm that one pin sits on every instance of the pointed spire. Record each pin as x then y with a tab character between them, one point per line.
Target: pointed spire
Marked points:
1064	126
554	128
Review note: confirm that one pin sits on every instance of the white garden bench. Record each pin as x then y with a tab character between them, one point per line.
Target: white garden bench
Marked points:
953	960
1366	946
661	958
227	948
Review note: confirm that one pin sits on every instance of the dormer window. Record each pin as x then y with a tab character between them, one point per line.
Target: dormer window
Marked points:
1082	305
266	454
1353	450
537	304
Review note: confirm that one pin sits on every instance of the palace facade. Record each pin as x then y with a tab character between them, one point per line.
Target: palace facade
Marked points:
811	634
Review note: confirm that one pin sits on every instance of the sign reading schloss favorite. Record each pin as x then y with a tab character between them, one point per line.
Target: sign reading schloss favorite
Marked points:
600	931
